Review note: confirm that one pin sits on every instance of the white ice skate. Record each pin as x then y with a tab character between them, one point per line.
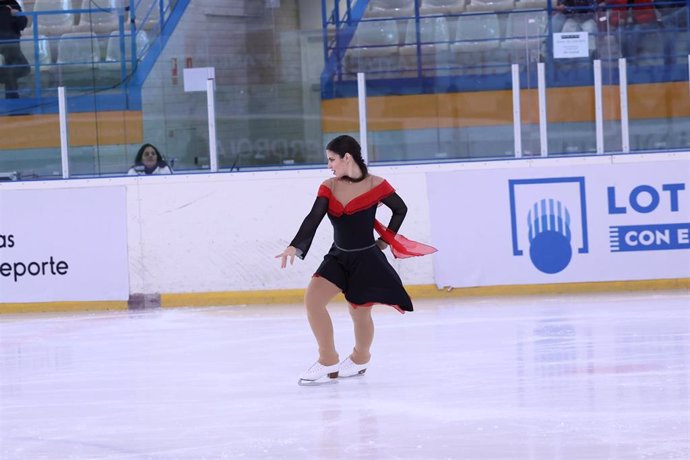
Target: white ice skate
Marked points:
349	369
319	374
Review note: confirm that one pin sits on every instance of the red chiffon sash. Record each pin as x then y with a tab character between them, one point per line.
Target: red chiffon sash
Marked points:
401	247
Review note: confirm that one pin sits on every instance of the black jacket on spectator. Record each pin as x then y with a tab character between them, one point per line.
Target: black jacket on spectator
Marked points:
16	65
578	7
11	26
665	4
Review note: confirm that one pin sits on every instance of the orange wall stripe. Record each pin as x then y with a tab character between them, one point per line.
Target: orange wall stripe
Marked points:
43	131
494	108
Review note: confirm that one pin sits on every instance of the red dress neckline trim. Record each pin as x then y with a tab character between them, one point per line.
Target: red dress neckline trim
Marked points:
358	203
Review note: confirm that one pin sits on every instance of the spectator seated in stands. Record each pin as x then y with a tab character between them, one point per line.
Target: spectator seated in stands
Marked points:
149	161
616	13
558	17
642	20
673	15
576	16
16	65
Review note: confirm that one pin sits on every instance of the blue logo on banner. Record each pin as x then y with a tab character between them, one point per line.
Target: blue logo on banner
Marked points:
549	224
647	199
653	237
549	236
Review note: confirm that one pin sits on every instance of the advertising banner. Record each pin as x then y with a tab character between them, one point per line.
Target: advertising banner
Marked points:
63	245
574	223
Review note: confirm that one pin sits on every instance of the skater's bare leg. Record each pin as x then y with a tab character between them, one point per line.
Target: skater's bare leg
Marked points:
364	334
319	292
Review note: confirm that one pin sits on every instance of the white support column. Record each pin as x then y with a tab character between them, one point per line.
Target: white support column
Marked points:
517	122
598	107
623	88
212	139
64	140
362	103
541	87
204	79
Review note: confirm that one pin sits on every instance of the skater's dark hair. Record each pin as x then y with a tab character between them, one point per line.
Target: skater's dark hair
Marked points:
347	144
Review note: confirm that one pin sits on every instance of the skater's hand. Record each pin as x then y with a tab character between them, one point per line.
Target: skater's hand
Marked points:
290	252
381	244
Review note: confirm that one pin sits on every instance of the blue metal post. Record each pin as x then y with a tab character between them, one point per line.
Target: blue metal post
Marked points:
133	28
161	11
418	37
324	30
37	56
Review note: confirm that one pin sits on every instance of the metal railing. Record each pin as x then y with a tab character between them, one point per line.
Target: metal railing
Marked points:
417	56
85	56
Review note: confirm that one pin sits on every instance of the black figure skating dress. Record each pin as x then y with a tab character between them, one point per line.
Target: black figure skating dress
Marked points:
355	263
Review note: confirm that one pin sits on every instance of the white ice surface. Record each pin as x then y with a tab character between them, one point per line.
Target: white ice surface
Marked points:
572	377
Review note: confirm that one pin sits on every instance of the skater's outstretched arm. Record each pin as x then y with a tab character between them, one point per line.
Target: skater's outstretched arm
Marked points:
305	235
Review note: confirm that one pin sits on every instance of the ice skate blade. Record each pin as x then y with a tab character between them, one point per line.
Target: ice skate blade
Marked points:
326	379
316	383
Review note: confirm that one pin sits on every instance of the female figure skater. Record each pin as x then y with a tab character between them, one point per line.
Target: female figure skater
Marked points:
355	264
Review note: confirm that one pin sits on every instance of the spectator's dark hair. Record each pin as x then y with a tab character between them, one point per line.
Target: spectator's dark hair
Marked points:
12	4
347	144
140	154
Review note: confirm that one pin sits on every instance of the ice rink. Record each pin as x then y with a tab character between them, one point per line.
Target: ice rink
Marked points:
574	377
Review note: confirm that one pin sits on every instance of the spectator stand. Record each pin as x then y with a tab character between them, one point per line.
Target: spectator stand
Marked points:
99	53
434	46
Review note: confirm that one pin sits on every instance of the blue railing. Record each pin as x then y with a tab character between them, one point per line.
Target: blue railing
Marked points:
139	26
340	25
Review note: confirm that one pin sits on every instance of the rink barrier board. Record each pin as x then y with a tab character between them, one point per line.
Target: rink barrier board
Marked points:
296	296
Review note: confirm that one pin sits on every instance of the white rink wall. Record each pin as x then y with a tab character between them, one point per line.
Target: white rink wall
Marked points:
203	233
221	232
